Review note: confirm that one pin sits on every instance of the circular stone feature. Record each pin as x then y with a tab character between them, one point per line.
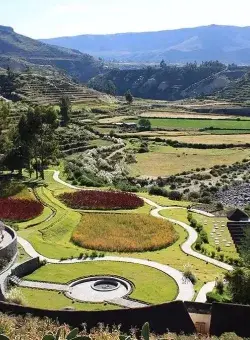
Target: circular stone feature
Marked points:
99	289
106	285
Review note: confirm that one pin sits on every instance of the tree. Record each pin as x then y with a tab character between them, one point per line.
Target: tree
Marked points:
35	138
144	124
111	88
239	285
4	122
245	248
129	98
65	110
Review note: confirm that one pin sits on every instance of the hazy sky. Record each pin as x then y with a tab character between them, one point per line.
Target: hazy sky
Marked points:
51	18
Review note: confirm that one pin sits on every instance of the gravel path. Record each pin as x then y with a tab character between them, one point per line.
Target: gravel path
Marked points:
202	295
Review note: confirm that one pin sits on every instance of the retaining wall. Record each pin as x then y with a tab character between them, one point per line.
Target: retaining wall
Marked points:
26	268
11	249
171	316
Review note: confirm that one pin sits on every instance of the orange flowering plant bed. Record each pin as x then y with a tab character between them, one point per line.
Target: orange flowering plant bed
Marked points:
123	232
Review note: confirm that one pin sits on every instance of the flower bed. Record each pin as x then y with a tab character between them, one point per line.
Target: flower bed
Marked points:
102	200
19	209
123	232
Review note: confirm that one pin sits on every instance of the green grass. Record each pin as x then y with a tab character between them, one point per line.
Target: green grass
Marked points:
164	201
22	255
151	285
194	124
52	300
100	142
166	160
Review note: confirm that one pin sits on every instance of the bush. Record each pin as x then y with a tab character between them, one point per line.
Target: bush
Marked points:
175	195
203	236
220	287
158	191
190	276
15	296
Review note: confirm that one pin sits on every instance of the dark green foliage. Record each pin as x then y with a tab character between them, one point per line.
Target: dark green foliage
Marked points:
175	195
239	285
128	96
158	191
144	124
65	110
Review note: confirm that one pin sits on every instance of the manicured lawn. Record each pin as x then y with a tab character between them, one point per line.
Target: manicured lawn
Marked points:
54	300
151	285
123	232
165	160
164	201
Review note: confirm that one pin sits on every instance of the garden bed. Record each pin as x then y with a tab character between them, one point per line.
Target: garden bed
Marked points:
19	209
101	200
123	233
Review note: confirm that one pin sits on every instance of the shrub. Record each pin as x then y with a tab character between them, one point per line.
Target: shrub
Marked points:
190	276
220	286
193	195
15	296
203	236
175	195
158	191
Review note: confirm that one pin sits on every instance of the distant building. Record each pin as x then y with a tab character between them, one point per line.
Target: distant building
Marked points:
238	222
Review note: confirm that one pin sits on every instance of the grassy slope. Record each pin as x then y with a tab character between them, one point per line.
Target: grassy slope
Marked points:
171	161
163	288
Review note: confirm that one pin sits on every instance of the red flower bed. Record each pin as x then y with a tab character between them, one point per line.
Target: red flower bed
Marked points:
19	209
103	200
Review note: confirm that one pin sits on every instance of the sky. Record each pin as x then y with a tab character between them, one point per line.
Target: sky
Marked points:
55	18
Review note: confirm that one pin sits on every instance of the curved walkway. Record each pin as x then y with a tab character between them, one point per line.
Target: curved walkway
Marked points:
186	289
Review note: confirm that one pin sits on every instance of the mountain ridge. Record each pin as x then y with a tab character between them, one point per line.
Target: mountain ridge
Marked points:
228	44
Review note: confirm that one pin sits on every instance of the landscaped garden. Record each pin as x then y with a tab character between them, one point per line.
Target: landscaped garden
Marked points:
164	287
123	233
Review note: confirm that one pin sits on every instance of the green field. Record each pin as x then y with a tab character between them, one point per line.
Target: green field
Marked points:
195	124
171	161
163	288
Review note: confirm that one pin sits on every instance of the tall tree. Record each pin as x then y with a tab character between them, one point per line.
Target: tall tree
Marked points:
4	122
35	140
129	98
65	110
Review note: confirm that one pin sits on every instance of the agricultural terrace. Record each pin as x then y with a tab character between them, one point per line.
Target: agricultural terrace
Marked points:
123	233
214	139
171	161
101	200
196	124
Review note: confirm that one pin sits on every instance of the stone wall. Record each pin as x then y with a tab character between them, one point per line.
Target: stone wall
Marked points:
11	249
171	316
26	268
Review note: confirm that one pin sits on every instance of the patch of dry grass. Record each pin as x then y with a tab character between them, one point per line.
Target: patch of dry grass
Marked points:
214	139
123	232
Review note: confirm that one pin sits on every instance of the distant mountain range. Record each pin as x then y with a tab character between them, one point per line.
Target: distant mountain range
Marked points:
20	52
228	44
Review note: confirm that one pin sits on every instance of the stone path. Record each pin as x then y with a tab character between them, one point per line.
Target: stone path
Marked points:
43	285
202	295
127	303
186	290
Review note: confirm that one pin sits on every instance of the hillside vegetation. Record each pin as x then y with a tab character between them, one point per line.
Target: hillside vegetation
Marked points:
18	52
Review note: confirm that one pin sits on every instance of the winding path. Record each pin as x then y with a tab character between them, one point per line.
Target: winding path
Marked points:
186	289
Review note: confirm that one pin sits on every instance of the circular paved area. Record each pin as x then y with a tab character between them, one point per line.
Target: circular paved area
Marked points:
7	238
87	290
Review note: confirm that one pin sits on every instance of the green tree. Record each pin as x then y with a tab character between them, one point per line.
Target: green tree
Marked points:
239	285
129	98
4	124
65	110
245	248
36	140
144	124
110	88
